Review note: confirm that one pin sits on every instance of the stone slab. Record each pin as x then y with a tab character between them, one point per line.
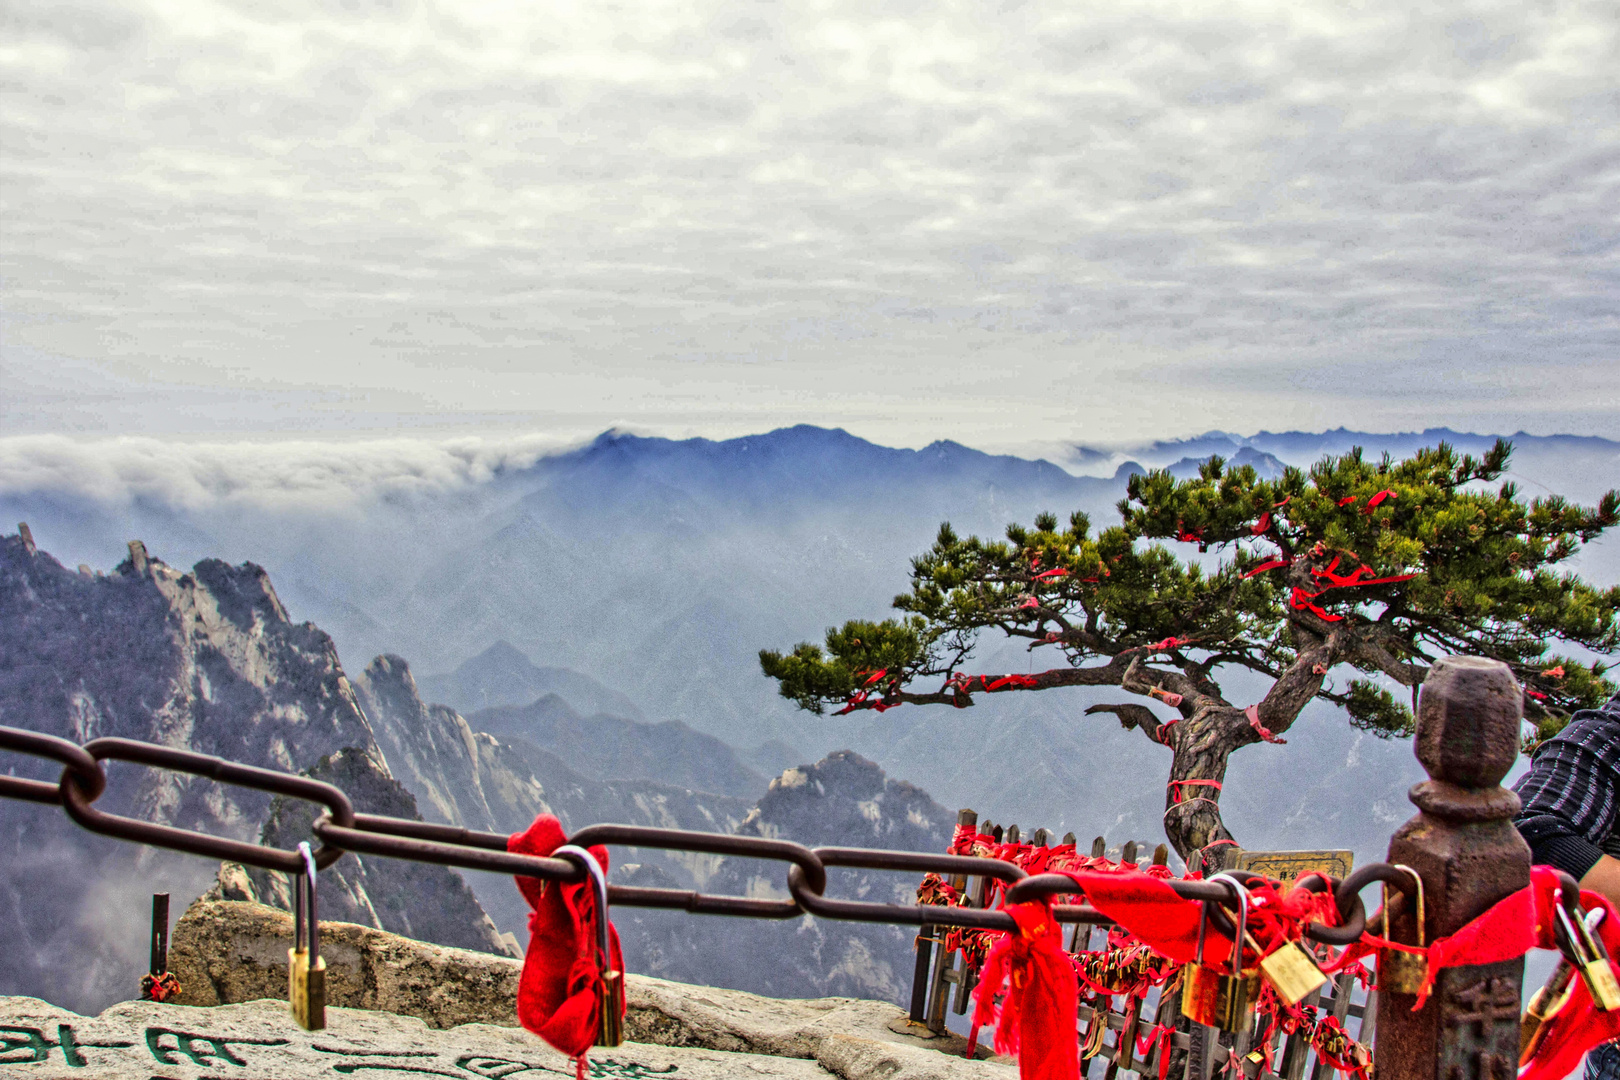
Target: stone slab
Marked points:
258	1041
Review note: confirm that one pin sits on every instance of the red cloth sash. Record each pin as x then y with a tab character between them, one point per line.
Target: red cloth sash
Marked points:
1036	1019
557	992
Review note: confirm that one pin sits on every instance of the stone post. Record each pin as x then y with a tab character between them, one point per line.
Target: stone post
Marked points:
1467	852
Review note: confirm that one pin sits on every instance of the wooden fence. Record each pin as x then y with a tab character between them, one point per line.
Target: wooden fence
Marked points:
943	982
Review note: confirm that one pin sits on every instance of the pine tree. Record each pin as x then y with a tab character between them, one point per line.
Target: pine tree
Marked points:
1365	571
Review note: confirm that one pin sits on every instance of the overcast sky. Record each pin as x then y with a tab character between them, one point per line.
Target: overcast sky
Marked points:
1010	225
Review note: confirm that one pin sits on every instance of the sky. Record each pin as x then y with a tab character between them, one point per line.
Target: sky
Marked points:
1009	224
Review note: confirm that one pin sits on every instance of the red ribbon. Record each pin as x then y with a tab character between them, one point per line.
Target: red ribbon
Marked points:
557	991
1269	564
1051	574
1036	1019
1262	525
1253	713
1580	1024
1177	785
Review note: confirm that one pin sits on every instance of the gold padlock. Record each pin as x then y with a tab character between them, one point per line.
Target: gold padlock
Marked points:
1591	959
610	986
610	1000
1403	972
1544	1005
1292	973
306	969
1210	998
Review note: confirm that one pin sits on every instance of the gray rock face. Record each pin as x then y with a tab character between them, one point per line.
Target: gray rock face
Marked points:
419	900
206	660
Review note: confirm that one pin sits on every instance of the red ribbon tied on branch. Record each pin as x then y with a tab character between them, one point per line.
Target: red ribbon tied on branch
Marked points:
1300	600
1262	525
1269	564
1380	497
1253	713
1057	573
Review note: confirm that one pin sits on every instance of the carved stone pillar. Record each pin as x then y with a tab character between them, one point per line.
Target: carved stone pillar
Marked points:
1464	846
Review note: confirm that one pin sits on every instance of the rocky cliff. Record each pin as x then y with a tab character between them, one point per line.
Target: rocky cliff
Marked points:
205	660
418	900
841	800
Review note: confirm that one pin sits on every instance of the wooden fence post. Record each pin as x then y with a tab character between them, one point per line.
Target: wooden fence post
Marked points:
1464	846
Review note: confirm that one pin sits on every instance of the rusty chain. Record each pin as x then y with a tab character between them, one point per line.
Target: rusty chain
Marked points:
341	829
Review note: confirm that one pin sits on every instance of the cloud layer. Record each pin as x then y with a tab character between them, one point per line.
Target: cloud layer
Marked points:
1003	221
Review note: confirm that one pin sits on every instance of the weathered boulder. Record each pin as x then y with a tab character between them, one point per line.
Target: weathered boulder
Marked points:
225	952
228	952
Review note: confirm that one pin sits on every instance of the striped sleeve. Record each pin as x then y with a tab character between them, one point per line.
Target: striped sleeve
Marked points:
1571	794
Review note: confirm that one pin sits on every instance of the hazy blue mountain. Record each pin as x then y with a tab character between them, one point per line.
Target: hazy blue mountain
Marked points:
613	747
503	675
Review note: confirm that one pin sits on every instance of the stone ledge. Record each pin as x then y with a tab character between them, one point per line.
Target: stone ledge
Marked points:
231	952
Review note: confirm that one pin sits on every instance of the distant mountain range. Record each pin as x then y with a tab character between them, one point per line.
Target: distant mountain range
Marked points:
656	569
502	675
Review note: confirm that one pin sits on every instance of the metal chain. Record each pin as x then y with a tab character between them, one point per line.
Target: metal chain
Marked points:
341	829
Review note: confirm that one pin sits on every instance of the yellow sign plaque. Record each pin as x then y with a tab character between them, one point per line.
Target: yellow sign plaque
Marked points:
1288	865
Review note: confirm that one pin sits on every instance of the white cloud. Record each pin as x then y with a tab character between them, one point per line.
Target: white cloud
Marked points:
292	474
1002	222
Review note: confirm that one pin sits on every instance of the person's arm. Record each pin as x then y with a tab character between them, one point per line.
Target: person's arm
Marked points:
1604	877
1571	799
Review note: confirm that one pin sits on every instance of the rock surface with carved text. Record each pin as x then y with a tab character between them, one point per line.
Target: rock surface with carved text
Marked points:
258	1041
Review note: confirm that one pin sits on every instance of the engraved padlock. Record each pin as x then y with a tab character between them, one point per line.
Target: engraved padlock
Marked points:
610	987
1210	998
1292	973
306	969
1403	972
1591	960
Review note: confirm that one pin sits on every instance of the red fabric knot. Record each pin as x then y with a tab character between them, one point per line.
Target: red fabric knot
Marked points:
562	970
1035	1020
1253	713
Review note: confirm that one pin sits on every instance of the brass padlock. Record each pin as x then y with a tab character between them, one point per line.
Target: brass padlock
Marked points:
1292	973
306	969
1210	998
610	987
1544	1005
1403	972
1591	959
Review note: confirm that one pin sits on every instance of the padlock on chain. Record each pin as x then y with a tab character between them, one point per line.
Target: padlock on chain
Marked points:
1403	972
306	970
1210	998
1291	972
610	987
1590	958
